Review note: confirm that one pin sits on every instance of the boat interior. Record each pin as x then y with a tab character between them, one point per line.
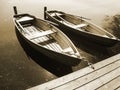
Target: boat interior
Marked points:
42	33
80	24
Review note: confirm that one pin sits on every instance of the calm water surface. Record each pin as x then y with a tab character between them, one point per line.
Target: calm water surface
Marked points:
21	67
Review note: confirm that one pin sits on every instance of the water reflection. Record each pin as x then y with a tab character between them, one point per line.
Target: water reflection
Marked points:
112	24
51	65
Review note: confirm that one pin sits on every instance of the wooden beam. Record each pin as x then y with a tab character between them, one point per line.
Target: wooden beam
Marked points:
15	10
111	85
45	9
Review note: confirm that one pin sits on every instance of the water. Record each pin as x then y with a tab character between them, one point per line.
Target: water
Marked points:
21	67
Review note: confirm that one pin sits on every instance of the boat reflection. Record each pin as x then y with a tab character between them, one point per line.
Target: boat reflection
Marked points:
112	24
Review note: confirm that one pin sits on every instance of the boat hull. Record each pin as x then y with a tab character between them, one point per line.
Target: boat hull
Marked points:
88	36
64	59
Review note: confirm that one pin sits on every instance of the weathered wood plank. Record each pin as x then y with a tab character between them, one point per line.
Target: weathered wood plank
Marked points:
75	75
100	81
89	77
111	85
118	88
40	34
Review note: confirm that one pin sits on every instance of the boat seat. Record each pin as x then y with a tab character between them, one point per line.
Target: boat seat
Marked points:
47	41
68	50
80	25
40	34
26	20
56	14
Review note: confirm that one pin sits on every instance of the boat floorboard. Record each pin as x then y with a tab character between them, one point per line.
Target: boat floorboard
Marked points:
105	76
48	41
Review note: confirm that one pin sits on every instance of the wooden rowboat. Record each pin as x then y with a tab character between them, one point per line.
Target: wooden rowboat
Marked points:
82	27
47	39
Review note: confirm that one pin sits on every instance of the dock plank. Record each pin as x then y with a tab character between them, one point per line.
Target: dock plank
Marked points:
118	88
109	66
100	81
111	85
89	77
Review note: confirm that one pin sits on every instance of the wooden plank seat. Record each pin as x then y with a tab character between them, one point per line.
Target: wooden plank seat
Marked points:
80	25
56	14
24	19
40	34
47	41
68	50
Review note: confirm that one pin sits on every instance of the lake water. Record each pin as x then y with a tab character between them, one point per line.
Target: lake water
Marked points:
22	68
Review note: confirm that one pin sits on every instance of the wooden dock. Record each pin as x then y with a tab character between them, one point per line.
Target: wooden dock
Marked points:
105	76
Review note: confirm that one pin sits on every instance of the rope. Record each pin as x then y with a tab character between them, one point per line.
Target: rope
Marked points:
88	63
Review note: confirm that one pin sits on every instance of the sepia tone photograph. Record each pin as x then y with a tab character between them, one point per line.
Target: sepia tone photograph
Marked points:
60	45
